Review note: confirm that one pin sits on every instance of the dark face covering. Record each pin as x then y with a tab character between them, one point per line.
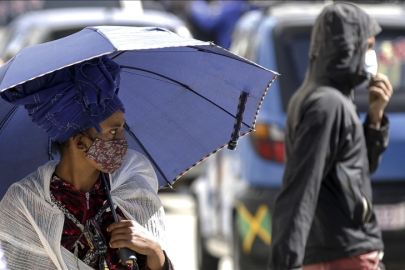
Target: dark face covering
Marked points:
339	43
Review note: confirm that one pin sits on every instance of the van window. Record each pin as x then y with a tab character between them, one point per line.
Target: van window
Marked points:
50	4
292	47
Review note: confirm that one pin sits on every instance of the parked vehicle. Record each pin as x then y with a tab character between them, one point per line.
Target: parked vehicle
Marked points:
235	195
47	25
9	10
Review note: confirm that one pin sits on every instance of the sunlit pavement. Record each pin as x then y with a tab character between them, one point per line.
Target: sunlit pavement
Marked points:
180	229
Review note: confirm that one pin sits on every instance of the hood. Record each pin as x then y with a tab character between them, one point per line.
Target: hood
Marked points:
339	44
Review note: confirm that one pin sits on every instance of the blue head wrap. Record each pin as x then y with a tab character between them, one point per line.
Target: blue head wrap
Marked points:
72	99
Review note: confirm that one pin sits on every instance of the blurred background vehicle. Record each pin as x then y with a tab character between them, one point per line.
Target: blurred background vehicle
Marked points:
236	193
9	10
46	25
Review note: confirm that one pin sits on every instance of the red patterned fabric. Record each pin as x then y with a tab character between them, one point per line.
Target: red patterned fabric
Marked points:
75	201
368	261
108	154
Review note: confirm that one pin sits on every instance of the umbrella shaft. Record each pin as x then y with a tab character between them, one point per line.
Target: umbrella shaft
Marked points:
127	256
109	200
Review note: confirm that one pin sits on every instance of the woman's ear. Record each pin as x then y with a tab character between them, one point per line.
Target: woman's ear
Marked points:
81	142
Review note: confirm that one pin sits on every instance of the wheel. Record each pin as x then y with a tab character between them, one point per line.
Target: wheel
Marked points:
205	260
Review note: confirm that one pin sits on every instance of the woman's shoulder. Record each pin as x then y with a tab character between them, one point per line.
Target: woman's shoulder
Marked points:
34	183
133	156
26	187
135	161
136	167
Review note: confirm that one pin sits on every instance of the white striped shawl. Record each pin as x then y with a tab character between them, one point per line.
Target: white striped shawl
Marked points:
31	227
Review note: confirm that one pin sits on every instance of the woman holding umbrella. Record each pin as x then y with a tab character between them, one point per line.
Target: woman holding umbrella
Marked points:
59	216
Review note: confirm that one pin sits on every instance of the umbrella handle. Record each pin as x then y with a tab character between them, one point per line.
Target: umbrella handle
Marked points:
127	256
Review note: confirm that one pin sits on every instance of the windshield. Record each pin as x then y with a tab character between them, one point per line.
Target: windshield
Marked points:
292	47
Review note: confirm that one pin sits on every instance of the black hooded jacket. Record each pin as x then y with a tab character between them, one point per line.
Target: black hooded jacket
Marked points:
323	212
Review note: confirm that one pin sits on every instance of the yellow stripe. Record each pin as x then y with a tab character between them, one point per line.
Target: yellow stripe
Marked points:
260	214
244	212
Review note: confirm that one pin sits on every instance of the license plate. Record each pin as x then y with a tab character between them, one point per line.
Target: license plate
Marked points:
390	216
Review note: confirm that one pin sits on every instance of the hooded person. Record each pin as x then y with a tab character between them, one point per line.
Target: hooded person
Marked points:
323	216
58	217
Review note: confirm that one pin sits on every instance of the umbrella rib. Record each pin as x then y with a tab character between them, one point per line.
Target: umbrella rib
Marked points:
50	156
127	128
186	87
118	54
8	116
149	77
243	60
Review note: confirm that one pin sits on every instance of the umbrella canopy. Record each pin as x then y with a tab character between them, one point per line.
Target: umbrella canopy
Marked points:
184	99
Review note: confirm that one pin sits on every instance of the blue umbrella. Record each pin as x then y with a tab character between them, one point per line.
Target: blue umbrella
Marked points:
185	99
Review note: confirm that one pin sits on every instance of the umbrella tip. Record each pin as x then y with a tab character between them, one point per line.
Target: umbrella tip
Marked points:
232	145
170	186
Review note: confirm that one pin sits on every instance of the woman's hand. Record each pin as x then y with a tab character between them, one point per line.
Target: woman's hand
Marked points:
130	234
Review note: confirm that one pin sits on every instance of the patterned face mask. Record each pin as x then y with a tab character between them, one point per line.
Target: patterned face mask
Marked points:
109	155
